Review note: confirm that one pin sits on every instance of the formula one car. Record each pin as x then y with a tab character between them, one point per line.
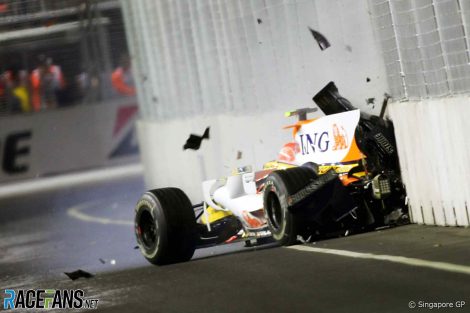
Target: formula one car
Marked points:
340	174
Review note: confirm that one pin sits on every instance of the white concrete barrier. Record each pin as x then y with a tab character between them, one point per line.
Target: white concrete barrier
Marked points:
434	148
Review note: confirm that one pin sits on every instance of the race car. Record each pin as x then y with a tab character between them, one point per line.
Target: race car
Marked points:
339	175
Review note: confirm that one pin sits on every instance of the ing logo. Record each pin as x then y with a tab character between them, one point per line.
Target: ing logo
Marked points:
340	138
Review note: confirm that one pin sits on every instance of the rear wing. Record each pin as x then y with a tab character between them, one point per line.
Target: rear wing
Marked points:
331	102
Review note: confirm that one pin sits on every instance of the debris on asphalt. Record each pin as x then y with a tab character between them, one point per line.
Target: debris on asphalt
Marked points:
348	48
437	245
367	79
194	141
104	261
259	21
378	229
239	155
301	239
136	247
79	274
321	40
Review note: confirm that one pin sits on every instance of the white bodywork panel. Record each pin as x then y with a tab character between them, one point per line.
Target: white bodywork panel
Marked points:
236	194
327	139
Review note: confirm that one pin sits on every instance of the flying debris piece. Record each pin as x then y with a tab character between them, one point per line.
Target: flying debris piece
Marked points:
194	141
103	261
78	274
370	100
382	113
321	40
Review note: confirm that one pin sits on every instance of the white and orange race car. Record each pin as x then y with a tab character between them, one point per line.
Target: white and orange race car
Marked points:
339	174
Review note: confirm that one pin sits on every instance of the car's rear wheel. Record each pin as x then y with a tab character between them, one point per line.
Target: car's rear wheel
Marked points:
165	226
283	224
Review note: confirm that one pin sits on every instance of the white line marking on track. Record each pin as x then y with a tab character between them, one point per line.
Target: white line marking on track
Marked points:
442	266
77	212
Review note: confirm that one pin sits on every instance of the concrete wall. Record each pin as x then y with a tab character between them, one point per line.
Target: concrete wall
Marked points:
237	66
434	150
425	48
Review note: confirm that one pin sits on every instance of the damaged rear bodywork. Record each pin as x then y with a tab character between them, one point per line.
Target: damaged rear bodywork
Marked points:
345	192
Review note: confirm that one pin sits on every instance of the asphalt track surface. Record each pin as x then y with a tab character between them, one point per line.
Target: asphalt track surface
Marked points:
43	235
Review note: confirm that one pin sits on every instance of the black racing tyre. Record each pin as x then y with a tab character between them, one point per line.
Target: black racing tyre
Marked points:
313	166
165	226
283	224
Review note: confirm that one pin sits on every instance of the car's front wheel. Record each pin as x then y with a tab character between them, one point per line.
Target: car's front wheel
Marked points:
165	226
